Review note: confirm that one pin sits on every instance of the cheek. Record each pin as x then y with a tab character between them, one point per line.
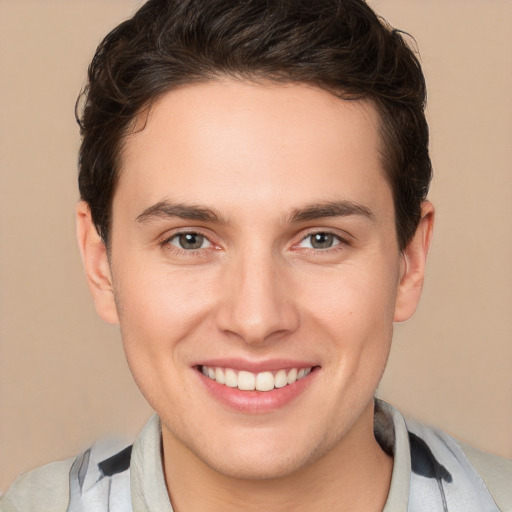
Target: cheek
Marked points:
165	297
352	297
158	308
158	313
353	313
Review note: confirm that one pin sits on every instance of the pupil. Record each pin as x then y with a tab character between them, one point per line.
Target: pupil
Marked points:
191	241
322	240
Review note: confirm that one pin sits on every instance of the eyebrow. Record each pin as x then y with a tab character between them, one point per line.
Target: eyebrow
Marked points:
165	209
341	208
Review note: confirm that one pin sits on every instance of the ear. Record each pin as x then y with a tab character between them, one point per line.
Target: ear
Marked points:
96	264
413	266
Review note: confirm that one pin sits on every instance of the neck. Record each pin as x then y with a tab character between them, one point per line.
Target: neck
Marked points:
354	475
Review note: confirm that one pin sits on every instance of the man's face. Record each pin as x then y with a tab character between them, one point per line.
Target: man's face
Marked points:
253	239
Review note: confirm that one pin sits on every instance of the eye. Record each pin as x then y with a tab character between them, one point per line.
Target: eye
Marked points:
321	240
189	241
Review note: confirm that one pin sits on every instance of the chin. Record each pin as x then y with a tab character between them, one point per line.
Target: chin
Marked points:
258	466
261	456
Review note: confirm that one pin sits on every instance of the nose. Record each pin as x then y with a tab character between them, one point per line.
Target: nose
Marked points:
257	300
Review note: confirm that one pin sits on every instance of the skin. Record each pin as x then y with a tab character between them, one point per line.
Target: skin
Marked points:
258	290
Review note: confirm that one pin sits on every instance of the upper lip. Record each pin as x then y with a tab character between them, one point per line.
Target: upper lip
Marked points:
241	364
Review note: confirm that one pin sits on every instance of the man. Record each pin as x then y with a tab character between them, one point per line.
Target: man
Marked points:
253	179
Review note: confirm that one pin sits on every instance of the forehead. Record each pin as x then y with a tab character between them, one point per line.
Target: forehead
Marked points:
239	143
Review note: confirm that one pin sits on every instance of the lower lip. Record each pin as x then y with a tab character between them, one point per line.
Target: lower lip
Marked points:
257	402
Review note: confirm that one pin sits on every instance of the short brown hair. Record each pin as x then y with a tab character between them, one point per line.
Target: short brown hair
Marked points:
338	45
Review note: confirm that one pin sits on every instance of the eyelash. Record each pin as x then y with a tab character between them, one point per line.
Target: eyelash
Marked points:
165	243
340	245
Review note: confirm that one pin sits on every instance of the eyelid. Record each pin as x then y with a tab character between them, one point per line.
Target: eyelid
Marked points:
164	239
344	238
342	235
176	238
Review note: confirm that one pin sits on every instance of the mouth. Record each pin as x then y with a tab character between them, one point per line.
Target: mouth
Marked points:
248	381
257	387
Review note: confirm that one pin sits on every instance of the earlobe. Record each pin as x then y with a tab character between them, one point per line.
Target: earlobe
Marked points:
96	264
413	267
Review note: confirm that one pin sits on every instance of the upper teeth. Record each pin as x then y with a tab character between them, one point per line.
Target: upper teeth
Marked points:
248	381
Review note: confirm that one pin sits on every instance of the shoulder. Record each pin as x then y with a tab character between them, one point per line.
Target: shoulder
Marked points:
92	475
496	472
45	488
435	471
462	469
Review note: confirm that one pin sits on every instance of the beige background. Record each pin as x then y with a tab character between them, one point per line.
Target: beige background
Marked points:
63	379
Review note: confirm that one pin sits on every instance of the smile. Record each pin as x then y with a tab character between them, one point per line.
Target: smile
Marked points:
248	381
